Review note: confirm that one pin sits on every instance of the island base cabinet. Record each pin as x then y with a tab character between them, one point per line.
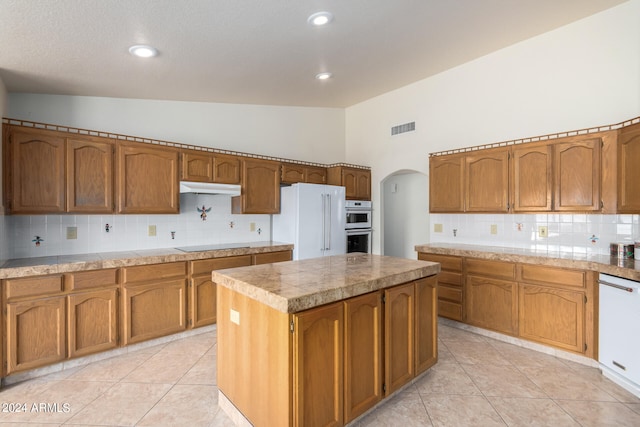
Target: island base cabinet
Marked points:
363	354
426	327
92	322
254	369
154	310
399	336
318	367
36	333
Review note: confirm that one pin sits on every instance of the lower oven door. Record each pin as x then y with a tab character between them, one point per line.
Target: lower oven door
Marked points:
359	240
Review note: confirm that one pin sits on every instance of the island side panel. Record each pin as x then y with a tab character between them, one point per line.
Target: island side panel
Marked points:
254	358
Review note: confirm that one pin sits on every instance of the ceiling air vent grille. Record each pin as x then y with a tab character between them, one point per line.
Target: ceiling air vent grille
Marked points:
407	127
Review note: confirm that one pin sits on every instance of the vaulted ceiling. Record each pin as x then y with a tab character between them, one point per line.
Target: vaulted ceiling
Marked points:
259	51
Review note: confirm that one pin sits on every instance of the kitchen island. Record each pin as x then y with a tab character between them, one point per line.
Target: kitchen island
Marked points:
321	341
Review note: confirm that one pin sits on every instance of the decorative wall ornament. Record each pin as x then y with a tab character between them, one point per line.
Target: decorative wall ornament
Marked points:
37	240
203	212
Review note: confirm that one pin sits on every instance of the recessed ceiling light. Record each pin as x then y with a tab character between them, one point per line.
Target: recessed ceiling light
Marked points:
320	18
323	76
143	51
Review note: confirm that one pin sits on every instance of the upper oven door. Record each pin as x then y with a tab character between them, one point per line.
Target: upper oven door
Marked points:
358	219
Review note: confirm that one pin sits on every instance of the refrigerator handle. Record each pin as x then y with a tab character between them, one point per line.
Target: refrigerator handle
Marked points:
324	216
329	220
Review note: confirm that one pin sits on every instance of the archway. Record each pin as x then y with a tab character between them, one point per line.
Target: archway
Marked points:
405	213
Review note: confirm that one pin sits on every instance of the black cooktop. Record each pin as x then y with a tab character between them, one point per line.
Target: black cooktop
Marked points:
203	248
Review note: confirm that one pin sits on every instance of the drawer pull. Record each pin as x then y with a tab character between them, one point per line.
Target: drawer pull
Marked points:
613	285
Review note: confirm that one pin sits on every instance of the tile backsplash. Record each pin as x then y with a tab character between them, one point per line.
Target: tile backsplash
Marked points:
577	233
131	232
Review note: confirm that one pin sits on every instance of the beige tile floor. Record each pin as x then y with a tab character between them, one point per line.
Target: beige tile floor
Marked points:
478	381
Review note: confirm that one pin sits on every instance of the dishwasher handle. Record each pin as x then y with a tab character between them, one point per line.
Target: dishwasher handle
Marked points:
613	285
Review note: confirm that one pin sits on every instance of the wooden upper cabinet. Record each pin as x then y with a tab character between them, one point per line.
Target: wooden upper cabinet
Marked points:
446	177
532	178
36	175
90	175
291	173
147	179
209	167
315	175
226	169
486	181
196	166
260	188
577	167
357	182
629	170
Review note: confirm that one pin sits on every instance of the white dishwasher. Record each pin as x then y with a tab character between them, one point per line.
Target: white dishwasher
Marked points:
619	334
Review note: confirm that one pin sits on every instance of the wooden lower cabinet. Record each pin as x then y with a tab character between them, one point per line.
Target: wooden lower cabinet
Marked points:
318	366
154	310
550	305
36	333
491	295
492	304
92	322
552	316
202	290
362	354
450	295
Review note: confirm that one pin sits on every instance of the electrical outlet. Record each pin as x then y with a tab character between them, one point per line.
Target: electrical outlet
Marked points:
252	226
152	231
543	231
494	228
72	233
437	228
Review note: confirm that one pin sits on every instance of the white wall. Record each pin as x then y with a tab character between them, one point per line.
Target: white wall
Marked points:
582	75
299	133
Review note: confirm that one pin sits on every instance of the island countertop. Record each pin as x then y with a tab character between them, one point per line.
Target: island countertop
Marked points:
294	286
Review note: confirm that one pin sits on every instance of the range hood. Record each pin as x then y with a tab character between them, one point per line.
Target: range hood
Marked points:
209	188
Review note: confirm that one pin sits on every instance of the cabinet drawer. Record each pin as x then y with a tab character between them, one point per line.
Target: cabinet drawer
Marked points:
206	266
93	279
449	278
31	286
270	257
551	275
447	262
500	269
450	310
144	273
452	294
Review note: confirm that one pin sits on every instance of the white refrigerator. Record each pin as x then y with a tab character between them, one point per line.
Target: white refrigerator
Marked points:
312	217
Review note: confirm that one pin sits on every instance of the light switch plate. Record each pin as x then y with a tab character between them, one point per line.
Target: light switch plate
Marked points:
152	230
437	228
494	228
543	231
252	226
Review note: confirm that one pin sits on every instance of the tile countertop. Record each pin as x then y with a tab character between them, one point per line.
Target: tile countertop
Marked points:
294	286
23	267
627	268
